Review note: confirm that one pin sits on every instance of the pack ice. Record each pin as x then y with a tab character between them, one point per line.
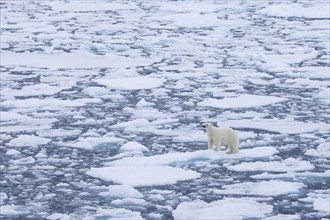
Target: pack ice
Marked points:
102	102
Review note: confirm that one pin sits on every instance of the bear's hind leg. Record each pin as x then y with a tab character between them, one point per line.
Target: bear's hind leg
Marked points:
233	149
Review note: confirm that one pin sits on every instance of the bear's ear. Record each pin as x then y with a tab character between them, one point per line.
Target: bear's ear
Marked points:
205	125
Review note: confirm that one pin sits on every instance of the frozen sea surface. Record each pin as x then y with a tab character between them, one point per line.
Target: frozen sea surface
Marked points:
102	102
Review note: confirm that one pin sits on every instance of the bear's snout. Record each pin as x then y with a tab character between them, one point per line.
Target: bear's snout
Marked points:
204	125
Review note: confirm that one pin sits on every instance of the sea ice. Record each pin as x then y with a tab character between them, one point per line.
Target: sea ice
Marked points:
283	217
287	165
137	175
12	152
228	208
131	83
191	157
11	117
133	146
322	150
242	101
91	6
35	90
58	216
118	214
24	140
296	10
12	210
263	188
89	143
320	200
71	60
281	126
121	191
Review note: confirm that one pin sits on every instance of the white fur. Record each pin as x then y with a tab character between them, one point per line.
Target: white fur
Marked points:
222	136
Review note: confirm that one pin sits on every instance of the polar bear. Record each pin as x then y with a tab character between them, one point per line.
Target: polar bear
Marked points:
223	135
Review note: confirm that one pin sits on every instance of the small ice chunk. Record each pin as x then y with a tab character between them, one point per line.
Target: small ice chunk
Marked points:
89	143
11	116
27	141
96	91
12	210
121	191
3	198
144	103
119	213
134	123
58	216
12	152
323	150
283	217
132	83
133	146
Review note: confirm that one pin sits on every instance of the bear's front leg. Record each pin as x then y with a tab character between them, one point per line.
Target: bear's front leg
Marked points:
218	146
210	143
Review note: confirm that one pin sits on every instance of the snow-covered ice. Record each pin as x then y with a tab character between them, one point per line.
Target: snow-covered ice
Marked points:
102	104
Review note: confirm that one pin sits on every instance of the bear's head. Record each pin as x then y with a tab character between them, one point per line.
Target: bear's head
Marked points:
207	125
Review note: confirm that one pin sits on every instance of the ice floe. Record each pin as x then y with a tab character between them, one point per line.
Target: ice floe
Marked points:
242	101
262	188
287	165
89	143
228	208
121	191
132	83
102	101
118	213
191	157
91	6
70	60
12	210
322	150
319	199
27	141
133	146
281	126
137	175
296	10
